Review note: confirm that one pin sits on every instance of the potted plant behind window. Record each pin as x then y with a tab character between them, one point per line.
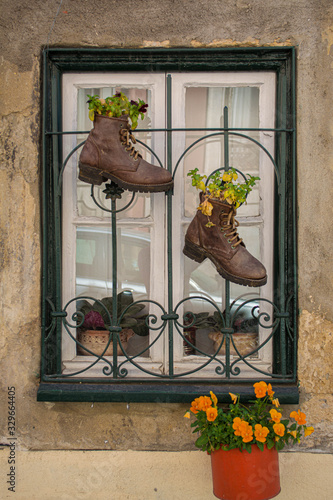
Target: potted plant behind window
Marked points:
93	333
244	338
243	442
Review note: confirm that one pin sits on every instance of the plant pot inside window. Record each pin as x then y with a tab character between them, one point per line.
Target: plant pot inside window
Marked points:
96	341
244	342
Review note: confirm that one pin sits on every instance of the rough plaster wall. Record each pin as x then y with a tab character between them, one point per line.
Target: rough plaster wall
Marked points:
25	28
139	475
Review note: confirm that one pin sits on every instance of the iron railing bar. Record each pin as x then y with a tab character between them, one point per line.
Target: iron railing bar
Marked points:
227	282
160	379
169	224
114	237
234	129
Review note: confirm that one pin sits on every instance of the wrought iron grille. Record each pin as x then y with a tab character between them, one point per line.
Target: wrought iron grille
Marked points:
170	321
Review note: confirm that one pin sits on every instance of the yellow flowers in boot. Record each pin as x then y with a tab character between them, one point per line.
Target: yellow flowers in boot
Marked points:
221	186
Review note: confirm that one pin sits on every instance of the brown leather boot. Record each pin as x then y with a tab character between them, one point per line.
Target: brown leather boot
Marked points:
109	154
223	246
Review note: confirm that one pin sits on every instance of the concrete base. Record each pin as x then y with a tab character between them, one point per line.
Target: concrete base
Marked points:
142	475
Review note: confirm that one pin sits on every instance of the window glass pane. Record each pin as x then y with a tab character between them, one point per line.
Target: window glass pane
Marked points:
94	261
205	108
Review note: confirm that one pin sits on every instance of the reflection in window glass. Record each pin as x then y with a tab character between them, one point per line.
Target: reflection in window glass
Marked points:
94	261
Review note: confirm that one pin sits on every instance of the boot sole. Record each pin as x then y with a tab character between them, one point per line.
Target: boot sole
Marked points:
94	176
198	254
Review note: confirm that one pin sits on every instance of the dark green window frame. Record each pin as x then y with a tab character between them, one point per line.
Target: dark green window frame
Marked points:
281	60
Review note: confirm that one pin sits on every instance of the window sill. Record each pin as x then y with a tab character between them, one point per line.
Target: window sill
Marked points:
138	392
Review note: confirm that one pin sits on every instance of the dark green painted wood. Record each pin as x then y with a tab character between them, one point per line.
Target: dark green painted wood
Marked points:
150	392
175	59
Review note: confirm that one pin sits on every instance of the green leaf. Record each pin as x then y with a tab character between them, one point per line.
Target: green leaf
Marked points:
141	328
125	298
83	306
248	447
201	441
270	444
260	445
279	445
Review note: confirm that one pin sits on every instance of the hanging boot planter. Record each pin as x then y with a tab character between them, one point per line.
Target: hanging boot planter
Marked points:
213	232
109	153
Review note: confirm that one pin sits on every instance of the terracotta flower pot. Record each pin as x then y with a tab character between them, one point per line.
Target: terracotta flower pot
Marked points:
96	340
239	475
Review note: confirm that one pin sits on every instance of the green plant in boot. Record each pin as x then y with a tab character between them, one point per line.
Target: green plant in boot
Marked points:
117	106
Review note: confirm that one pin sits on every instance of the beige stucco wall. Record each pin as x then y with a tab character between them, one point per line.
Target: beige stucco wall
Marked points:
135	475
25	27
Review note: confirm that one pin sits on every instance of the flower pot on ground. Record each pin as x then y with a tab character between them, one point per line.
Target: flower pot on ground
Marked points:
243	441
239	475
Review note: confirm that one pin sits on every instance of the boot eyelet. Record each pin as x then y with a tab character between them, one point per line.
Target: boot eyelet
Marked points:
232	246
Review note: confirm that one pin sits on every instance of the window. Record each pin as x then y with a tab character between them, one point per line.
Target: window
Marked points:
206	109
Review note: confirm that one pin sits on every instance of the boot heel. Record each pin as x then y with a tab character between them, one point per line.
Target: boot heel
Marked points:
90	175
193	252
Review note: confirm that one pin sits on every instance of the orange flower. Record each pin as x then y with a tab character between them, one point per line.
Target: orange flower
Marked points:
261	433
214	398
233	397
195	406
279	429
211	414
270	391
260	388
276	416
308	431
187	415
205	403
293	433
236	426
202	403
246	432
276	402
299	416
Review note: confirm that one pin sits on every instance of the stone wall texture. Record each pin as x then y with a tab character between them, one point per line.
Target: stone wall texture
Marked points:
27	27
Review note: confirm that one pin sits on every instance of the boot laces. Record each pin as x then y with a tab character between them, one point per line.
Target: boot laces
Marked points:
127	137
229	227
